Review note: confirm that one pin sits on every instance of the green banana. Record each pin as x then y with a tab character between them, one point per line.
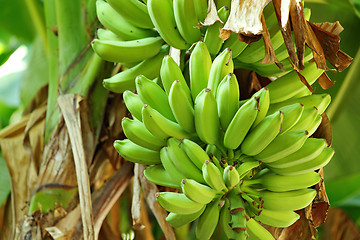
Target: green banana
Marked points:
153	95
258	232
170	167
177	220
113	21
246	167
126	80
212	38
134	104
213	176
282	146
280	219
169	72
158	175
263	106
320	101
308	166
127	51
238	214
312	148
207	122
208	221
162	16
292	115
178	203
199	68
136	132
160	126
279	183
201	8
234	44
105	34
197	192
135	153
315	124
231	176
186	20
182	162
222	65
241	124
182	109
227	99
196	154
286	201
263	134
307	119
134	11
289	85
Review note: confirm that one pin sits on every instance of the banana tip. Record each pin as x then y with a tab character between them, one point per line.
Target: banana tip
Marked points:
183	181
157	195
207	89
207	161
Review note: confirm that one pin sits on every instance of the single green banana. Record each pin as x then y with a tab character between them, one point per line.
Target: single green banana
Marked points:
222	65
234	44
263	106
201	7
134	104
178	203
134	11
113	21
207	122
320	101
312	148
127	51
208	221
182	109
213	176
136	132
199	68
292	115
125	80
170	167
241	124
308	166
177	220
160	126
263	134
162	16
196	154
170	72
307	119
280	219
154	96
278	183
212	38
289	85
315	124
105	34
283	145
182	162
197	192
287	201
258	232
238	214
231	176
227	98
246	167
158	175
135	153
186	20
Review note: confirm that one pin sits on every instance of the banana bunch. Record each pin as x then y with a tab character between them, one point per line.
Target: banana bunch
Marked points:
233	162
139	34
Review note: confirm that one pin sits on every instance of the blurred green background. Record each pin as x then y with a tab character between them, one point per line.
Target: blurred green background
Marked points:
24	69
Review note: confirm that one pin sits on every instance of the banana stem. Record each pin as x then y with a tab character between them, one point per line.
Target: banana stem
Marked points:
346	90
247	183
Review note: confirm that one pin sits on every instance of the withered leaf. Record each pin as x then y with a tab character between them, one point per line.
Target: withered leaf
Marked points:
321	203
212	15
324	130
324	81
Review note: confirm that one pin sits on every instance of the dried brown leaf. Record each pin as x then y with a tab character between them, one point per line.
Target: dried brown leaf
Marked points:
136	200
330	43
324	130
324	81
298	22
321	202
